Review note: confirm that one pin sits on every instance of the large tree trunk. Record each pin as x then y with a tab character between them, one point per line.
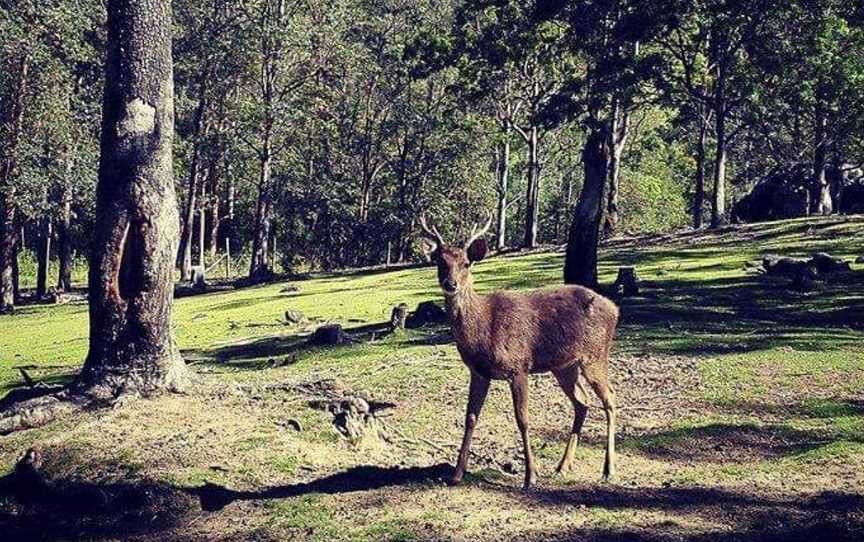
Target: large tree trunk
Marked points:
8	231
620	131
43	258
580	264
532	196
699	189
822	202
503	182
134	248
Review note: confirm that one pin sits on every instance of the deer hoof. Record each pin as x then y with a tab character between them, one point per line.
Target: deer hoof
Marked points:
455	480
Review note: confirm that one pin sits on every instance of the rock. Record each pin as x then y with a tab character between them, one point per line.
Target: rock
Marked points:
289	288
295	317
398	317
826	264
428	312
330	334
787	267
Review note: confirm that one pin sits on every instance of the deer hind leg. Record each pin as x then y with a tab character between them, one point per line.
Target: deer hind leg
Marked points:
569	381
597	377
478	389
519	389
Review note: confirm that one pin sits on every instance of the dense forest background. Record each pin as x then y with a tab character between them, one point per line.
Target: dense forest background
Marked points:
313	134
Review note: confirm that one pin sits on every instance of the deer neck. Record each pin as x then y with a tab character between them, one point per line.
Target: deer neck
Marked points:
464	309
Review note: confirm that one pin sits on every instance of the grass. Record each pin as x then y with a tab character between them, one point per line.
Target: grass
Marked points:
764	407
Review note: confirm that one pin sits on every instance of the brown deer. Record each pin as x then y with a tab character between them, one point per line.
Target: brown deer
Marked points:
506	335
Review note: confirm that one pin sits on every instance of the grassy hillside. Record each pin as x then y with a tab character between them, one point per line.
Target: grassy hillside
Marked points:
743	409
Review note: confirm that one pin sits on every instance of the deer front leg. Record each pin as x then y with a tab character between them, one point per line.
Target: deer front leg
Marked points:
478	389
519	389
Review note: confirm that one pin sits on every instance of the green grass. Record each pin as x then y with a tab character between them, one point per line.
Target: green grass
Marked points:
781	371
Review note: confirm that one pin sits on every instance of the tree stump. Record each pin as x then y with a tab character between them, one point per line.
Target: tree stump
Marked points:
198	277
627	281
329	335
295	317
399	316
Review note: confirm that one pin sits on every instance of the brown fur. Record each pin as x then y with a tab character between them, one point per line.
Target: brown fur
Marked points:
507	335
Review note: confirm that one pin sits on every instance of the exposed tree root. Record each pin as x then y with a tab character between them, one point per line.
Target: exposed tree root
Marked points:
40	410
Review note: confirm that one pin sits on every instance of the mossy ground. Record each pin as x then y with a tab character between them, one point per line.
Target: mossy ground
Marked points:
743	409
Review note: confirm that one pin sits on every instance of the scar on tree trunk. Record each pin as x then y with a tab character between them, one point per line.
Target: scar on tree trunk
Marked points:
132	349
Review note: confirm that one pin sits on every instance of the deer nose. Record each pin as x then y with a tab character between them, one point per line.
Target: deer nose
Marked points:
449	285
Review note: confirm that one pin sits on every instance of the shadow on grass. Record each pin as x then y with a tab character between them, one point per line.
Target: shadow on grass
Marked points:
750	517
33	510
745	314
256	353
215	497
828	516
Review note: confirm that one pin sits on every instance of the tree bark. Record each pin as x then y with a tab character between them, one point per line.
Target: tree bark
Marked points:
532	196
580	263
43	257
8	231
134	248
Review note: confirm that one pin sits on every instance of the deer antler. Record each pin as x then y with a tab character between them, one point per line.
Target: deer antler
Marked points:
431	233
477	234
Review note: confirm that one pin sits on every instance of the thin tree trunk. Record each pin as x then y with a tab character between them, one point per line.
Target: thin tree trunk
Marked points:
213	246
699	190
260	266
43	258
532	196
580	264
620	131
195	181
8	232
64	237
503	185
134	248
202	225
718	208
823	204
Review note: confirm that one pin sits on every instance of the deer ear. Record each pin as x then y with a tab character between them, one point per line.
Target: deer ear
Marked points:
429	248
477	250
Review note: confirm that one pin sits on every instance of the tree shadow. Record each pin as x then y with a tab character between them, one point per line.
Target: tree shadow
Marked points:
363	478
254	354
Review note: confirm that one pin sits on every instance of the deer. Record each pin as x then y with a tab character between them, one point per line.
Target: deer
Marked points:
508	335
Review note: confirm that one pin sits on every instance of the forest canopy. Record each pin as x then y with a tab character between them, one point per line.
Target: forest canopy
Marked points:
312	135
